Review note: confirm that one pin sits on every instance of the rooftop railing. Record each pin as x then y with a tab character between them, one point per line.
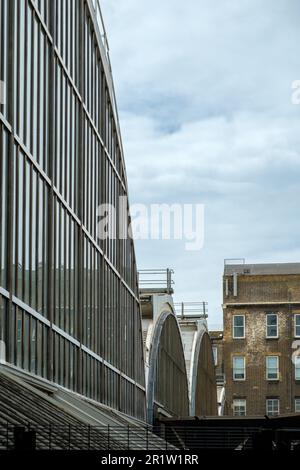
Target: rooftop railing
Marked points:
100	21
156	279
81	438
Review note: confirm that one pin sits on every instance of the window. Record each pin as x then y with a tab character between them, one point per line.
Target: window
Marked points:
297	405
297	325
272	406
297	367
239	407
239	326
215	353
239	372
272	325
272	367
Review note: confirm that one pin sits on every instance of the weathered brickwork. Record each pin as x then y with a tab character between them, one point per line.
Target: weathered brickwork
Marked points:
256	295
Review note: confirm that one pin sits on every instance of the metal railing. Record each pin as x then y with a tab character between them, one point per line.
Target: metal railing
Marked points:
102	30
191	309
165	437
105	43
220	379
156	279
103	438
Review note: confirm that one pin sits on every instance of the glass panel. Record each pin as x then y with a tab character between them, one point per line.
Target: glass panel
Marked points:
19	335
26	341
272	367
3	208
272	325
239	326
3	317
33	346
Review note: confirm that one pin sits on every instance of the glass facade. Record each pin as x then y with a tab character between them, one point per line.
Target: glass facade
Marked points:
69	307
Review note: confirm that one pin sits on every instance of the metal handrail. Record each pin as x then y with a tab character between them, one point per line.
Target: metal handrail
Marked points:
105	43
100	21
191	309
170	437
80	437
103	37
156	278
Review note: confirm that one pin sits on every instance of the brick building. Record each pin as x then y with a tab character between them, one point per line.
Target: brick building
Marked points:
261	307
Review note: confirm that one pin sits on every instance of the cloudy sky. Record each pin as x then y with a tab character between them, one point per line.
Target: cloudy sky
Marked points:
204	97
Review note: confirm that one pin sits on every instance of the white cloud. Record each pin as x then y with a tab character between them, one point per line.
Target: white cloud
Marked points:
204	95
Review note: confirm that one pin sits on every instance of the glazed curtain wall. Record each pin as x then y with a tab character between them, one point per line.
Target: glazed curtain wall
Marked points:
69	309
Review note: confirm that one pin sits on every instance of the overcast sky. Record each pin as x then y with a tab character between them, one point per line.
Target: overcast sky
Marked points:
204	97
